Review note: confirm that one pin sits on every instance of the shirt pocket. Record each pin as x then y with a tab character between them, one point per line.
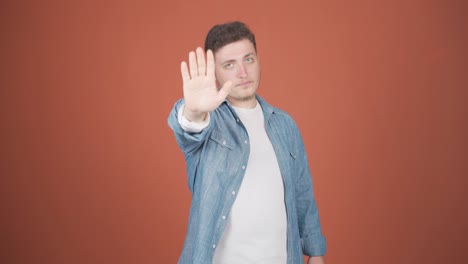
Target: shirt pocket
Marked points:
223	158
221	140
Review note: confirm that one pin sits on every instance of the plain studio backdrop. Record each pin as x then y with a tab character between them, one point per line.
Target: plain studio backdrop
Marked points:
91	173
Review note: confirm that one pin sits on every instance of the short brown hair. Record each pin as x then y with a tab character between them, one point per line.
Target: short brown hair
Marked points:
223	34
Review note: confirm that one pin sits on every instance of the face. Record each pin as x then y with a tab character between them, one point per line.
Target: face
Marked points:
238	62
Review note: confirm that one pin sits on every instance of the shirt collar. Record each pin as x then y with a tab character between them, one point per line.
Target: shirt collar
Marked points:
268	110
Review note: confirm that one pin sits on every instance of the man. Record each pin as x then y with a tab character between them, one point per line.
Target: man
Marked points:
252	197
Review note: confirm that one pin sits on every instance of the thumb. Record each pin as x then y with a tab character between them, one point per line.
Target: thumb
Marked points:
225	90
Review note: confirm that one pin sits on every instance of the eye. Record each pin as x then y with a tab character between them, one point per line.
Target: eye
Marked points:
228	65
249	60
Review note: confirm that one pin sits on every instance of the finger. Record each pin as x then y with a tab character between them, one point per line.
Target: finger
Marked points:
225	90
193	65
210	67
184	71
201	61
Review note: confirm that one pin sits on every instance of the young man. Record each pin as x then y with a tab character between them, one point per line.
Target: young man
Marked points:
252	196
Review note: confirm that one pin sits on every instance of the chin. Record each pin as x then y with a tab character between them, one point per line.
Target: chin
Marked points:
245	98
246	93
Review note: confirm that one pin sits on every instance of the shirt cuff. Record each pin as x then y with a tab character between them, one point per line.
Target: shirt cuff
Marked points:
189	126
314	245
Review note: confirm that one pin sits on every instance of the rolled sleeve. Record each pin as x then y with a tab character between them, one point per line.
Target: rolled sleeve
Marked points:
314	244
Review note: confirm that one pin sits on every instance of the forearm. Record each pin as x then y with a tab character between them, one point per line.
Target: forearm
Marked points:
313	241
188	140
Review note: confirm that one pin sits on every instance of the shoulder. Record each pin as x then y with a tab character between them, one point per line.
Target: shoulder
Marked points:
282	114
284	121
277	114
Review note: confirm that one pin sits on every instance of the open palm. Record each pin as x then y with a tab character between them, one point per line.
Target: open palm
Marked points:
200	91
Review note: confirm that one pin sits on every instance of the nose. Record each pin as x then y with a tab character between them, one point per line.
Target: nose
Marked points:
241	71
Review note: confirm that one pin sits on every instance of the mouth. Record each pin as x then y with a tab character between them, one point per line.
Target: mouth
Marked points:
244	83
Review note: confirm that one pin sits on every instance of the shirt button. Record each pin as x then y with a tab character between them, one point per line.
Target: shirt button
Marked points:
243	167
214	245
224	217
237	120
245	141
224	142
233	192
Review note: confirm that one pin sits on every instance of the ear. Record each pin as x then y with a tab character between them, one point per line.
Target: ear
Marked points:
258	60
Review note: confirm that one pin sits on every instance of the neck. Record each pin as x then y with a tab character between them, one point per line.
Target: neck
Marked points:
248	103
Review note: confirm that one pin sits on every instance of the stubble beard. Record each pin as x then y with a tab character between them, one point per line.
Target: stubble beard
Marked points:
242	100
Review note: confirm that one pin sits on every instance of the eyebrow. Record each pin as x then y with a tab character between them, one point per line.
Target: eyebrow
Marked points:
247	55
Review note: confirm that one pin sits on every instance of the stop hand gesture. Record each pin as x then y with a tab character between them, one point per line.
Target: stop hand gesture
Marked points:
200	91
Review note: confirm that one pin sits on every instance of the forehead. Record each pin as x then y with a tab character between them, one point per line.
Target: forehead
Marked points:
234	50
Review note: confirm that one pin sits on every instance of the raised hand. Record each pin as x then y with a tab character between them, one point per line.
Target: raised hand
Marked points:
200	91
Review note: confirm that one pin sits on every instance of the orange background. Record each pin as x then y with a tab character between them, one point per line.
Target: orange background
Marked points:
90	171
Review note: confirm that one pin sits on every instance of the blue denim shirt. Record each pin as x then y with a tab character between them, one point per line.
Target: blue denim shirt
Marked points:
215	158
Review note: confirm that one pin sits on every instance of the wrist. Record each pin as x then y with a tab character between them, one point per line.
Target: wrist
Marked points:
316	260
192	116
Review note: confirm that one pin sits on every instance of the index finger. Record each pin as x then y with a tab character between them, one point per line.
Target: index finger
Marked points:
210	67
184	71
201	61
